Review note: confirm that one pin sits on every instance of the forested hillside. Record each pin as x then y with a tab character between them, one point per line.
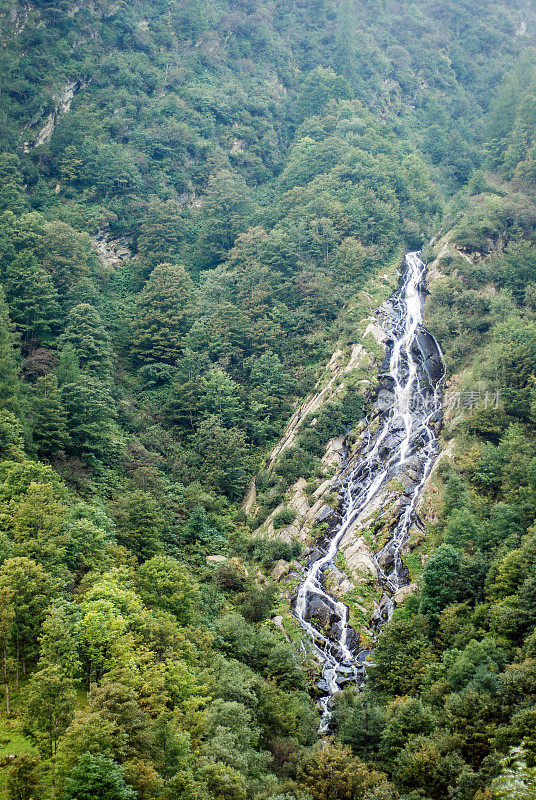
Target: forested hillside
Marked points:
192	197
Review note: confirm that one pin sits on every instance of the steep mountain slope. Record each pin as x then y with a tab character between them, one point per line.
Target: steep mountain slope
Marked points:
195	199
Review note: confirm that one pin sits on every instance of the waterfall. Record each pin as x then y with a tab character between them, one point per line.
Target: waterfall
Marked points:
405	442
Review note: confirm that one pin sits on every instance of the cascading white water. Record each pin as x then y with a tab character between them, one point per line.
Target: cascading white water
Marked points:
406	438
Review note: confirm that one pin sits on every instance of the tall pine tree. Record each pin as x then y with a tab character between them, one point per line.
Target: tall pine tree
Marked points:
33	299
49	419
86	334
9	375
164	315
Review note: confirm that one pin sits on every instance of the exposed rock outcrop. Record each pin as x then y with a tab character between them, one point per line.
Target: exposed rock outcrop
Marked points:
112	253
216	559
280	568
62	104
337	367
358	556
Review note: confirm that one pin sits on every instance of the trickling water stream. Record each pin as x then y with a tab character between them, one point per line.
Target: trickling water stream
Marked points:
404	445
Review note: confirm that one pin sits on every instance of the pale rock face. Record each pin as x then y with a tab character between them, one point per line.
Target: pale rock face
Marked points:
522	27
268	526
299	501
280	569
376	331
291	533
355	357
334	361
278	622
112	253
338	582
323	488
237	146
317	400
333	452
46	131
216	559
62	102
404	591
250	500
345	586
316	511
358	556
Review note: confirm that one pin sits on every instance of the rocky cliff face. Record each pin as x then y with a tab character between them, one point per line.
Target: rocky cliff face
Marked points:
62	105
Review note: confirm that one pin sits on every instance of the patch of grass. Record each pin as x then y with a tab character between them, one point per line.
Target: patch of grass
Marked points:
340	562
12	742
12	739
362	596
374	347
369	536
413	563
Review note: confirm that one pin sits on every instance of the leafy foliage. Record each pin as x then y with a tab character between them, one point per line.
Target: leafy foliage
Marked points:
191	195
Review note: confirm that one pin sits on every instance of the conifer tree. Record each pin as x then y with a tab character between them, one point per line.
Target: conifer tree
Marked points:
226	212
138	523
164	314
89	410
49	419
66	254
9	379
86	334
33	299
161	233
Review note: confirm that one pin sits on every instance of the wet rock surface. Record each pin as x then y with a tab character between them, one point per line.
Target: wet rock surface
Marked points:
430	355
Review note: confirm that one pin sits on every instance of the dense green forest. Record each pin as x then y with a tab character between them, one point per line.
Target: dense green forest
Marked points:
192	195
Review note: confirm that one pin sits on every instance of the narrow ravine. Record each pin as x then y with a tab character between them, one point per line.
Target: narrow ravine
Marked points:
404	444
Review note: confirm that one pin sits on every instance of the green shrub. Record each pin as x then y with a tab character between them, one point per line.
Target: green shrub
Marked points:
285	517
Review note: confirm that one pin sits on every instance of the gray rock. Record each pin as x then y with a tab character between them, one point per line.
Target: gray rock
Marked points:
280	568
216	559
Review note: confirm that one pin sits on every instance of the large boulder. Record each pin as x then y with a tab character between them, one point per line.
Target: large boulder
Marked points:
280	568
359	557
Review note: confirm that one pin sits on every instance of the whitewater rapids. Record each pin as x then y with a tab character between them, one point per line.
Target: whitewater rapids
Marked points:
409	410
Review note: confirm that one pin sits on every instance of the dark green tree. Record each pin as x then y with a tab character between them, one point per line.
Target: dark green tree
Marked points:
401	657
9	376
161	234
48	416
33	299
165	583
86	335
319	86
90	410
66	254
223	457
164	312
226	212
441	579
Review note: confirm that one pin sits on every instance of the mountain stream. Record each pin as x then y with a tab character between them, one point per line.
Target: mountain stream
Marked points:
404	446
